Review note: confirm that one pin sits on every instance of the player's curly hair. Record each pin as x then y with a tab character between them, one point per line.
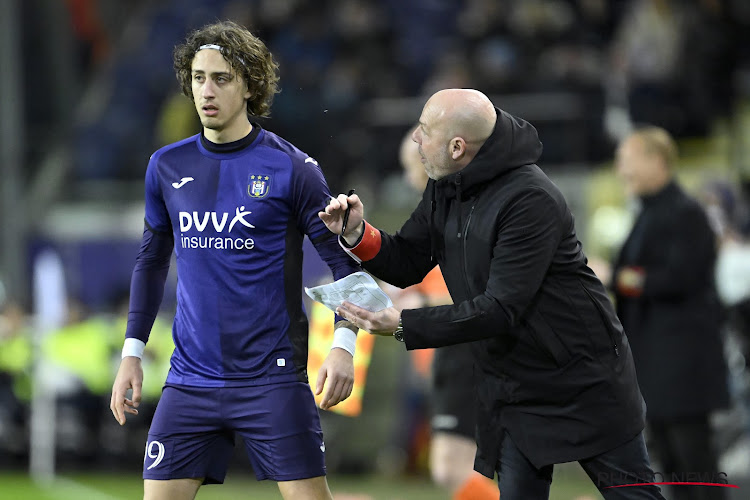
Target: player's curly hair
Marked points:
247	55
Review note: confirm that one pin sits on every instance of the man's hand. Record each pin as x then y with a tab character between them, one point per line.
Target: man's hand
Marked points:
630	281
338	369
333	216
383	322
129	376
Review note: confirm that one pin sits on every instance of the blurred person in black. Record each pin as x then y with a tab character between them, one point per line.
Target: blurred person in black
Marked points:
453	422
554	376
663	280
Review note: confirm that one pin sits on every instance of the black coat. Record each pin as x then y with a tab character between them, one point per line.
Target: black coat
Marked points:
674	325
552	365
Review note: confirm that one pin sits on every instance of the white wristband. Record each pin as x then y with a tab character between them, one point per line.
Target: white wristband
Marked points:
345	339
133	347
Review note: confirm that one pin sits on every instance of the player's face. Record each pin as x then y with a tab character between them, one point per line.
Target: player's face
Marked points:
220	96
432	142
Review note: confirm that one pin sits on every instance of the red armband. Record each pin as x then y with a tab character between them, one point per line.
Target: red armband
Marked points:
368	247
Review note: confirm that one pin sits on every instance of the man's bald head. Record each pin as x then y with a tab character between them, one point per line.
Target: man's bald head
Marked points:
467	113
453	126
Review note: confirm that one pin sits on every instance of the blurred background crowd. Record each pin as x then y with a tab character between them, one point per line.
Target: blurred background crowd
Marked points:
89	93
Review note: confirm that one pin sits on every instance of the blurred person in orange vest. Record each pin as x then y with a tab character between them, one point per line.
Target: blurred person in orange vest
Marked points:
452	444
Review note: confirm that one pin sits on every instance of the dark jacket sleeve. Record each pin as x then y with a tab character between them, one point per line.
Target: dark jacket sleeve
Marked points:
528	236
687	257
405	259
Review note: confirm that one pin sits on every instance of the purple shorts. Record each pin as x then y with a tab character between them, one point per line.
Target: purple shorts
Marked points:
192	433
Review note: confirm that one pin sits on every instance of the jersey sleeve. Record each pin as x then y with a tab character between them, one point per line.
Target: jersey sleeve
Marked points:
147	283
152	264
157	217
310	194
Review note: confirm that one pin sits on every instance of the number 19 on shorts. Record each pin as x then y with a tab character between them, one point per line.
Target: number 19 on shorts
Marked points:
154	450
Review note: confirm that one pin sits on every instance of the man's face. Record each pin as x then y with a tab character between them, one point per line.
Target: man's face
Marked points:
636	166
220	96
433	144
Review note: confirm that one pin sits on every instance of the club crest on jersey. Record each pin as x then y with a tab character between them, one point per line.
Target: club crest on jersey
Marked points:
258	185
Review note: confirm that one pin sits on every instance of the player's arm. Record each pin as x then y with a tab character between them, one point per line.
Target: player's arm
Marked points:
309	194
146	293
338	368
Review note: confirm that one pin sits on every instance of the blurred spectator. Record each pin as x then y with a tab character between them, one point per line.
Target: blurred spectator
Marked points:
711	57
453	423
676	60
647	59
733	286
15	379
91	36
80	381
664	285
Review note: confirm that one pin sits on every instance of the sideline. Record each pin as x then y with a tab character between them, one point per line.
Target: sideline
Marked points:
78	489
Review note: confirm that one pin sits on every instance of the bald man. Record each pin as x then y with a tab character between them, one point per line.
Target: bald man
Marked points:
554	377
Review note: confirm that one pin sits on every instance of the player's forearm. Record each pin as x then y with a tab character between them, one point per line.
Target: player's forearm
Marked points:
340	264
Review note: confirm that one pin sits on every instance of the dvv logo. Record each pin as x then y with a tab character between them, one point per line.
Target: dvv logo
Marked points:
219	223
200	221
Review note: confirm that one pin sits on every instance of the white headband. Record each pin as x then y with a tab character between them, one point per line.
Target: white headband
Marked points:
211	46
220	49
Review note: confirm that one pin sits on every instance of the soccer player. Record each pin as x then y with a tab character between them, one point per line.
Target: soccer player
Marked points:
235	202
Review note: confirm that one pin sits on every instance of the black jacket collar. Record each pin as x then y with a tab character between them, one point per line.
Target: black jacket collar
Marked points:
667	192
514	142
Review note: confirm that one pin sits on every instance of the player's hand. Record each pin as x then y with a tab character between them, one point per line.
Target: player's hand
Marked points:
383	322
336	374
333	216
129	376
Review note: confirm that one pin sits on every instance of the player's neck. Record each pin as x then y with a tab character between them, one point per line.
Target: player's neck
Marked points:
235	132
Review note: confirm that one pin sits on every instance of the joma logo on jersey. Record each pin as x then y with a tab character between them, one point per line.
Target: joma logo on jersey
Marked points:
219	222
258	185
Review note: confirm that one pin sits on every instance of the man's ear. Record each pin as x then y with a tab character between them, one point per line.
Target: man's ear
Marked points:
457	148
